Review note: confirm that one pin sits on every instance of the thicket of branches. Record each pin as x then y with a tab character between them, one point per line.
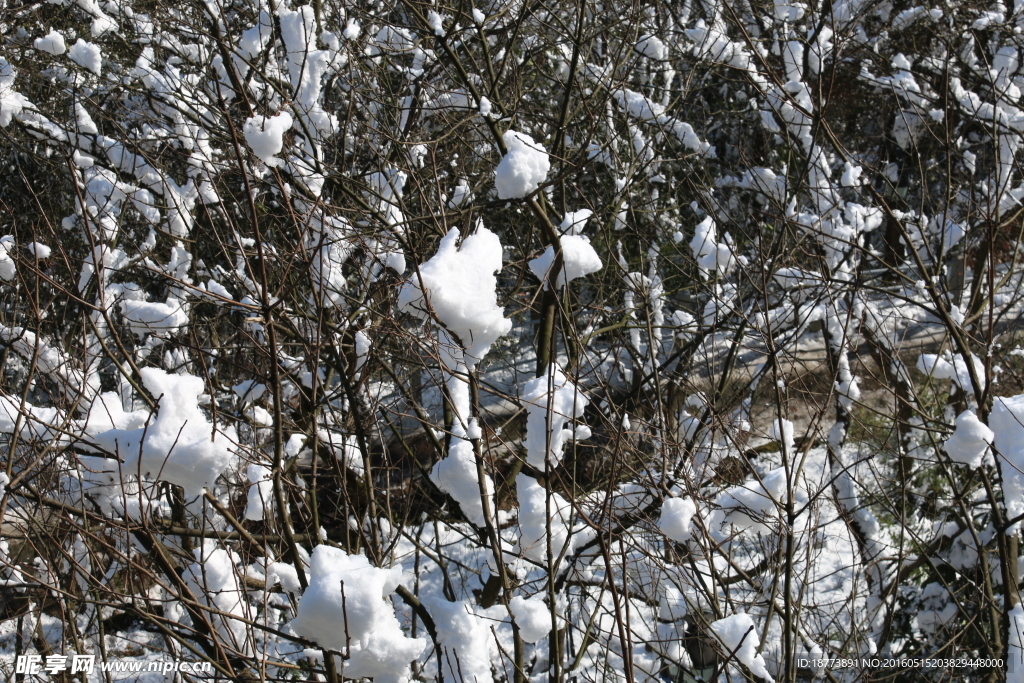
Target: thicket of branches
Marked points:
569	341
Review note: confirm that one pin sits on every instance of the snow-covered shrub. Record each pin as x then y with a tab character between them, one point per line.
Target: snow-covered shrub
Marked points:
548	341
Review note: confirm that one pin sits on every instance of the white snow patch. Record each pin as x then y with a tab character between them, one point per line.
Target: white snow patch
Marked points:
460	284
1015	648
260	491
753	504
466	639
213	579
363	343
955	368
456	475
392	39
7	267
739	639
523	168
153	317
575	221
551	401
782	431
676	514
180	445
250	390
82	160
579	259
435	23
460	194
87	56
361	621
265	136
52	43
970	441
851	175
39	250
1007	424
532	616
709	254
652	47
536	514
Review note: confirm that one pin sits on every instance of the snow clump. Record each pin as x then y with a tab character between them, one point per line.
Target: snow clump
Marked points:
551	401
52	43
87	56
180	445
739	640
39	250
652	47
708	252
535	515
1015	649
460	195
153	317
970	441
782	431
1007	424
752	504
531	616
265	135
460	285
523	168
579	259
260	491
676	514
214	581
465	636
361	620
392	39
8	269
436	24
363	344
955	368
456	475
575	221
12	103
